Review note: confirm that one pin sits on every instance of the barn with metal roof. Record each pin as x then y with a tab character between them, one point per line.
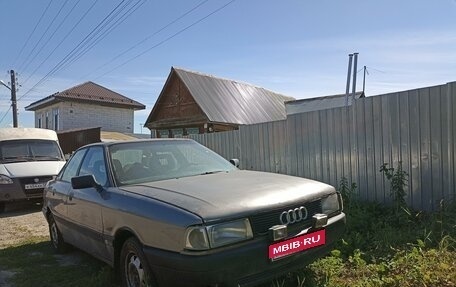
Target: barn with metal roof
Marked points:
192	102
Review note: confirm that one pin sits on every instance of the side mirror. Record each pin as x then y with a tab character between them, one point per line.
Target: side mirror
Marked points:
235	162
85	181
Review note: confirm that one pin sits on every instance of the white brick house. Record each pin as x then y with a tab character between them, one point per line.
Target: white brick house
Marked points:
83	106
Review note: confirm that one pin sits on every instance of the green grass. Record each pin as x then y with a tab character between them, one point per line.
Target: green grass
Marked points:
35	264
386	248
381	248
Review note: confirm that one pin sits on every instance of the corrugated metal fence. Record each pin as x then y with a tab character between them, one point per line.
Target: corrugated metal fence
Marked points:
416	127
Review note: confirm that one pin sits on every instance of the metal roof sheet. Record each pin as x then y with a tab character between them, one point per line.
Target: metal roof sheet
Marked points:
319	103
89	92
229	101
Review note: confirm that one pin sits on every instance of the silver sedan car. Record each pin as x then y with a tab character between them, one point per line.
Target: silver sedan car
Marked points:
174	213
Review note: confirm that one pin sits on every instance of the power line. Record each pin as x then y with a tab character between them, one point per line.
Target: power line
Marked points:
5	114
42	36
72	52
52	35
33	31
114	25
168	38
380	71
147	38
60	43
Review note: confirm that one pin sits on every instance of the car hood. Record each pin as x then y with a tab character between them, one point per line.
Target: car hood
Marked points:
232	194
31	168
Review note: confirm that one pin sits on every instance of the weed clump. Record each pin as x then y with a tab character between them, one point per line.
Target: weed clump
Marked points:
387	246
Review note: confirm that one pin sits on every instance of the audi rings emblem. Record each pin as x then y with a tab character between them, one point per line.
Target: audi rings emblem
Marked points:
293	215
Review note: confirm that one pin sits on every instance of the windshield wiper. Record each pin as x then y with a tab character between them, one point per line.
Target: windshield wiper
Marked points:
46	157
16	158
212	172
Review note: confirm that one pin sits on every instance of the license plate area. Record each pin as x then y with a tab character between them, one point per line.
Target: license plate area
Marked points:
297	244
34	185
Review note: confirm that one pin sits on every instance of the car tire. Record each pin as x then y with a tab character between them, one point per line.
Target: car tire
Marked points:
134	269
2	207
57	241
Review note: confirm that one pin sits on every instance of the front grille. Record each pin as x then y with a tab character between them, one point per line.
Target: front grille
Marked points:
263	221
35	192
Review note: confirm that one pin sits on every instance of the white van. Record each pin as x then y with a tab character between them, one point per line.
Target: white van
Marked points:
29	158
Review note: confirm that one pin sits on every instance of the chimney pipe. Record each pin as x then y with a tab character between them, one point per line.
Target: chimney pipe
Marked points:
347	90
355	67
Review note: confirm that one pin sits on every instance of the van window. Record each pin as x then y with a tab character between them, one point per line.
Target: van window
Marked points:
29	150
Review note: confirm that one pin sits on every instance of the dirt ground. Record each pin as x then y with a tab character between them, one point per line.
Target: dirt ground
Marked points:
21	222
18	223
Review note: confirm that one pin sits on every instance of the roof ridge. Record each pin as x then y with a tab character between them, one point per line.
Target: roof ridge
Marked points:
102	87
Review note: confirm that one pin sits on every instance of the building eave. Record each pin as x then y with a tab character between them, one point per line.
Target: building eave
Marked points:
42	103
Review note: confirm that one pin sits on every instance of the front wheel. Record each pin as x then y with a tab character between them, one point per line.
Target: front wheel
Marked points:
134	270
56	237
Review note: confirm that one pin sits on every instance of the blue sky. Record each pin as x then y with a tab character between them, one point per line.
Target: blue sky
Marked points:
295	47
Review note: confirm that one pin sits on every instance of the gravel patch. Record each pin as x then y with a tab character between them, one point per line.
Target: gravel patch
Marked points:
17	226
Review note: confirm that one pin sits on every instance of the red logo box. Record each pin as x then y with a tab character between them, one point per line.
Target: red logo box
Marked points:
297	244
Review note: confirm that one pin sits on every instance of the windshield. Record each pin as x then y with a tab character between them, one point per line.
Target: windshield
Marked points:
139	162
29	150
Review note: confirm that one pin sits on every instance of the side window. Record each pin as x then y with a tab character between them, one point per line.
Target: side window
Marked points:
72	167
94	163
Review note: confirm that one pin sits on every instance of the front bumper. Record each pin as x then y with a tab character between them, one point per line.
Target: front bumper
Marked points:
18	191
244	264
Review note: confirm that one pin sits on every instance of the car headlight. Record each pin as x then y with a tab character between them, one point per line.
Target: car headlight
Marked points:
202	238
5	179
331	204
196	238
230	232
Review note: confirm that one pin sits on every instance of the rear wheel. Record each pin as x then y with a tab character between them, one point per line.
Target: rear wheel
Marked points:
56	237
2	207
134	270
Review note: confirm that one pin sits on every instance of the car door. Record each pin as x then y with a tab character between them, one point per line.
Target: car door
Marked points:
57	192
85	205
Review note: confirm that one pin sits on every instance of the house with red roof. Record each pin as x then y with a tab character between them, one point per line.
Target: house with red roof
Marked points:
86	105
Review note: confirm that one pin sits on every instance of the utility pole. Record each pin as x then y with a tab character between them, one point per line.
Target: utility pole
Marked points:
13	98
364	80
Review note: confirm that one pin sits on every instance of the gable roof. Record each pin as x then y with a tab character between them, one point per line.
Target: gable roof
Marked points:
319	103
229	101
88	92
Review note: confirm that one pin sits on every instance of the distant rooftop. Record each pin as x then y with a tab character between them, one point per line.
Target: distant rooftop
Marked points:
88	92
319	103
229	101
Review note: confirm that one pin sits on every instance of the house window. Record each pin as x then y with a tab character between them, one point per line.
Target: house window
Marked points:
39	123
163	133
55	112
177	133
192	131
47	120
